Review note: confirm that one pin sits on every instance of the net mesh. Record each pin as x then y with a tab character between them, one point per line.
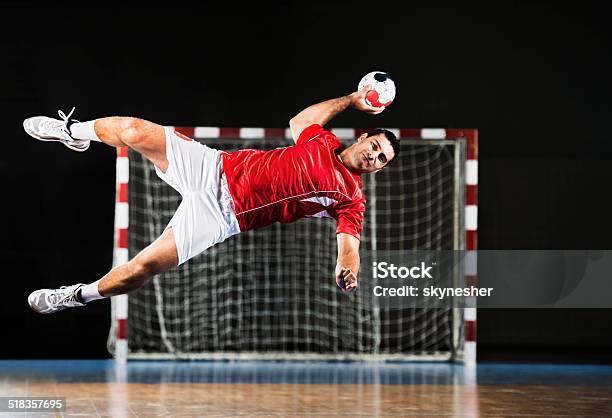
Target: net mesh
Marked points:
272	291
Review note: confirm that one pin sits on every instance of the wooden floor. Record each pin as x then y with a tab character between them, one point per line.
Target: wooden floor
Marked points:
305	400
101	395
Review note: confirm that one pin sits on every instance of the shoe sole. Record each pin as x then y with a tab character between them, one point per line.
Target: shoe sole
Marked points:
41	138
36	295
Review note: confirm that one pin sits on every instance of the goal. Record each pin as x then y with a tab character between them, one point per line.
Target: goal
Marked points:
271	294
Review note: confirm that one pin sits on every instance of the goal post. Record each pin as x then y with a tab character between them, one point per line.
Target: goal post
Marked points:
270	293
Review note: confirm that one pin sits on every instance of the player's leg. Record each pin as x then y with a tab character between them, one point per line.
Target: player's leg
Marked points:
143	136
158	257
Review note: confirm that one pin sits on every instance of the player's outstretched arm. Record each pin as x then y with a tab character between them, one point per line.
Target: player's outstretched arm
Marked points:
347	266
323	112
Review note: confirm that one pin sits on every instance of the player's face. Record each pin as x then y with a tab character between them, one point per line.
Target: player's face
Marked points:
370	154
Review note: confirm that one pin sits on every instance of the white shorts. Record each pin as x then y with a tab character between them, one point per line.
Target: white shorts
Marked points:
206	215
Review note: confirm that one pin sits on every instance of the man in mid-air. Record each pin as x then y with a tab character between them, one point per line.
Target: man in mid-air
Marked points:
224	193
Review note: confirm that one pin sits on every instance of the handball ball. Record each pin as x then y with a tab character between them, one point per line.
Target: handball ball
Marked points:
383	89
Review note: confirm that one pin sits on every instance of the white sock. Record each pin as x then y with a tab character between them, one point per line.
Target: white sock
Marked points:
84	130
90	292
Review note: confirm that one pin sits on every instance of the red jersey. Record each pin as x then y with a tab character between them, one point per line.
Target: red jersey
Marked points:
286	184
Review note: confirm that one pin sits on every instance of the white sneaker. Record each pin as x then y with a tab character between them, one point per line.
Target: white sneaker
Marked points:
48	301
49	129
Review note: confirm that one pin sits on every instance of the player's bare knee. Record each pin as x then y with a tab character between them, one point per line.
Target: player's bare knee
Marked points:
131	130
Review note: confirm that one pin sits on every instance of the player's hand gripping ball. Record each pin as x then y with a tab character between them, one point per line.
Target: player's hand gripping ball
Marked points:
383	89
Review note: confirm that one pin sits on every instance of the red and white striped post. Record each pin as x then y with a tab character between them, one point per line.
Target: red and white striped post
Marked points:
120	256
471	236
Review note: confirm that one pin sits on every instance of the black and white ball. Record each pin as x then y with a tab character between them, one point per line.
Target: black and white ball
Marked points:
383	88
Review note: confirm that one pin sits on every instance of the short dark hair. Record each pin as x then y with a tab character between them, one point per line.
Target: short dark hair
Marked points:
390	137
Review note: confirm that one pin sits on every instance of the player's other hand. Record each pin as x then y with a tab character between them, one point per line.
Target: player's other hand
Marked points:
359	103
346	280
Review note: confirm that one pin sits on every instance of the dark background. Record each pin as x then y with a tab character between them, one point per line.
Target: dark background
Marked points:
533	78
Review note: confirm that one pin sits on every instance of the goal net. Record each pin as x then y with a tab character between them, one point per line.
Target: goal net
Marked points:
271	293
